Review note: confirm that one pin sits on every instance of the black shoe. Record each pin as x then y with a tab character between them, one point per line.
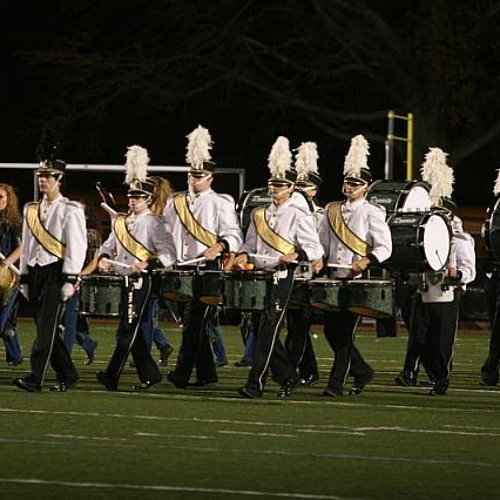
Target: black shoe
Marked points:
144	386
310	380
333	392
16	362
242	363
204	381
26	385
360	383
406	379
488	382
165	354
286	389
90	355
64	385
220	364
249	393
179	382
438	390
110	383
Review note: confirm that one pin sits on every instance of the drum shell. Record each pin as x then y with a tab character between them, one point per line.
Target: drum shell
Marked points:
247	290
400	196
209	287
370	298
421	242
325	294
492	231
102	296
177	285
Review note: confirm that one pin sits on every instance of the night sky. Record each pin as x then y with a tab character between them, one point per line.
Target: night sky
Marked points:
97	78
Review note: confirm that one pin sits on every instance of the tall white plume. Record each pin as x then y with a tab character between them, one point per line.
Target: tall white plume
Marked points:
136	165
436	172
198	148
496	187
357	156
306	159
280	157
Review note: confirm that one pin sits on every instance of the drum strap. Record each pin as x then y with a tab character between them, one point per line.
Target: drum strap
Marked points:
39	231
131	245
344	233
198	232
270	237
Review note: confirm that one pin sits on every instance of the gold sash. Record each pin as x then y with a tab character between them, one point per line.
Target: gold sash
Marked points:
273	239
198	232
128	242
47	240
344	234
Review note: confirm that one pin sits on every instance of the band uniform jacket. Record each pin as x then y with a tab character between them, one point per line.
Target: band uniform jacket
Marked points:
215	212
149	230
64	219
462	256
291	221
365	219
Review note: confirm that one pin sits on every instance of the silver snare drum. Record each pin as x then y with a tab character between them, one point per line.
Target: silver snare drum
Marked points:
373	298
102	295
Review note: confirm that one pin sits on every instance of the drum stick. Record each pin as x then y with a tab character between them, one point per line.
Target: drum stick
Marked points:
192	261
12	266
340	266
108	209
121	264
262	256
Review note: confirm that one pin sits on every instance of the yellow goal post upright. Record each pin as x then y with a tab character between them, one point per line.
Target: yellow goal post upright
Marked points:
392	137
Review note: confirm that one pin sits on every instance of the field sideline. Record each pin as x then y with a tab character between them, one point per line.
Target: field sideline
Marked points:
207	443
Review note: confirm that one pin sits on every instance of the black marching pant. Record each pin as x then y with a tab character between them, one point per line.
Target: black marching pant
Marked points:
196	349
129	335
340	328
436	325
269	351
44	289
491	367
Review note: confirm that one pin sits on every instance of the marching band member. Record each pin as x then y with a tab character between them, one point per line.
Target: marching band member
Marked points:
204	225
436	306
298	341
279	235
52	256
353	233
136	245
491	366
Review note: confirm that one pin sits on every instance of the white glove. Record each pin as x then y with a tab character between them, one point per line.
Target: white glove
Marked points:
67	291
24	290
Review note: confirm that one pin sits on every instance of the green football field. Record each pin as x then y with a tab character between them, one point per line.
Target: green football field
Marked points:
207	443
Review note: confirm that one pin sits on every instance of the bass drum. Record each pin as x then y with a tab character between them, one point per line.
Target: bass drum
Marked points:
492	230
260	197
400	196
420	242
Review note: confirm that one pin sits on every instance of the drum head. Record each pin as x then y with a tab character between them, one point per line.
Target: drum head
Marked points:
437	242
417	200
492	231
248	201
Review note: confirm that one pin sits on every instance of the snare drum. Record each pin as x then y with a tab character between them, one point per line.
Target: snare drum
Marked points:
209	287
400	196
325	294
492	230
101	295
177	285
370	297
247	290
420	241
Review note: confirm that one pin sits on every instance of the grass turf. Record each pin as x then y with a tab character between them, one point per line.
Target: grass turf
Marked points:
388	443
